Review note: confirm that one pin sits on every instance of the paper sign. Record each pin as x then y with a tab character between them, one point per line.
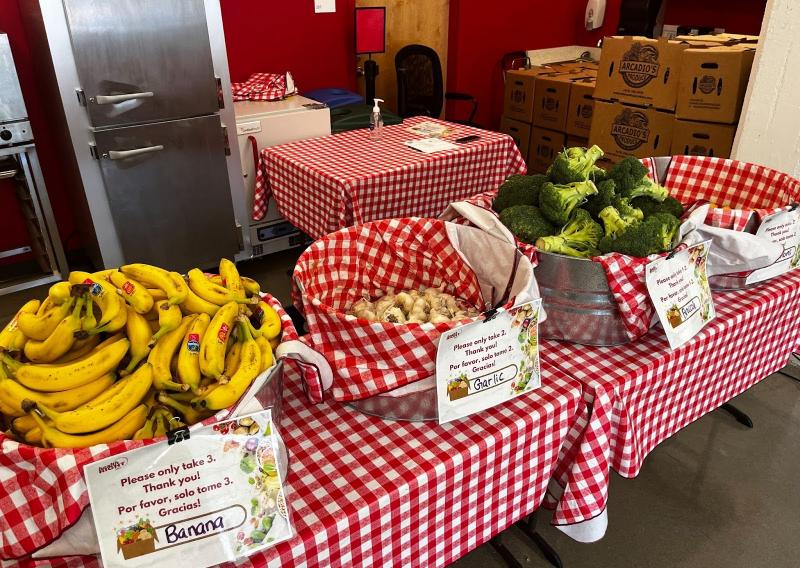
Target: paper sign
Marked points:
324	6
215	497
678	287
488	362
782	228
430	145
430	129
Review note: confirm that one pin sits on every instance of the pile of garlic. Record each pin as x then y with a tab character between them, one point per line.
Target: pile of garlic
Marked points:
427	305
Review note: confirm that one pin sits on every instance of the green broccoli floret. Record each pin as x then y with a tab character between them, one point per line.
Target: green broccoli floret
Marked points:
574	164
578	238
626	210
627	174
613	222
519	190
606	192
647	188
650	206
526	222
598	174
558	201
652	236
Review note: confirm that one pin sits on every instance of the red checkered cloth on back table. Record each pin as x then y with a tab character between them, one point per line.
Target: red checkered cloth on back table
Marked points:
42	492
371	492
325	184
641	393
369	358
260	87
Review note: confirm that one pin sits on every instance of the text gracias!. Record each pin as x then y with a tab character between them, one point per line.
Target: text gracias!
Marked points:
172	533
482	349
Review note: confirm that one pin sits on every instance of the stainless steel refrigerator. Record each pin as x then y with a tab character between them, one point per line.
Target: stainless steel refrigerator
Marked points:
142	91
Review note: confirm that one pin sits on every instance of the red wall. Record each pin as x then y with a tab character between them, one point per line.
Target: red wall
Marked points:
480	36
276	36
736	16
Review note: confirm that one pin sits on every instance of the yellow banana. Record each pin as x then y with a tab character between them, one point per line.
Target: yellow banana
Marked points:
194	304
106	408
12	338
138	331
189	355
133	292
269	320
215	341
157	294
251	286
12	394
103	294
123	429
23	423
60	341
89	321
216	278
155	277
275	342
46	305
163	351
118	322
232	360
249	368
231	278
53	378
33	437
190	415
267	359
80	348
39	327
169	318
147	430
211	292
60	292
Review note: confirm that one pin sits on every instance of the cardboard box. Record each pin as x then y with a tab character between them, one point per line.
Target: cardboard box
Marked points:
544	146
550	101
713	83
519	131
702	139
575	141
518	100
622	130
581	107
640	71
719	38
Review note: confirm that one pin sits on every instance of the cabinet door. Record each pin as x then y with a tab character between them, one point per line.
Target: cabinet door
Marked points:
168	191
142	60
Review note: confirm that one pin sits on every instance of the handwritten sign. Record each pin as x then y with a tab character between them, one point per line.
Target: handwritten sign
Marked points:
488	362
678	287
212	498
782	228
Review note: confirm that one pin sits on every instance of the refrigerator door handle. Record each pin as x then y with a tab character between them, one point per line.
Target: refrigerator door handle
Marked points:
113	99
122	154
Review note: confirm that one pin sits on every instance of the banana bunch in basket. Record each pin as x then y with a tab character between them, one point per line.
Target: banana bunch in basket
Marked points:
131	353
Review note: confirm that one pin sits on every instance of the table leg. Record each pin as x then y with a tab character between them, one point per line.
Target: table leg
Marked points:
528	526
792	368
508	558
740	416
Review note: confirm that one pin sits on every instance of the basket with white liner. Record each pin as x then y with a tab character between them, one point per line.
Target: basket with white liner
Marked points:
600	299
383	367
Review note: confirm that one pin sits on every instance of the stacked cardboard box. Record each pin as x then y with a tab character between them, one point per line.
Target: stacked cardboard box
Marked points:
662	97
547	108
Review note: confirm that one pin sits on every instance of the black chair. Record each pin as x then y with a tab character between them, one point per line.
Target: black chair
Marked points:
420	89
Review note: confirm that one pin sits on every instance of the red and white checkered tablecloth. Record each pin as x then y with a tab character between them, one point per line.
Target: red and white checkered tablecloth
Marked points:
328	183
641	393
371	492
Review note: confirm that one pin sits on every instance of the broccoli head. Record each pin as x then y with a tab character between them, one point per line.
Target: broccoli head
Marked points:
626	210
647	188
574	164
650	206
652	236
578	238
519	190
558	201
627	174
613	222
606	193
598	174
526	222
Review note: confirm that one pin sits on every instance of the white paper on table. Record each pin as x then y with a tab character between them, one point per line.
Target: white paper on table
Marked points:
431	145
429	129
782	229
324	6
487	362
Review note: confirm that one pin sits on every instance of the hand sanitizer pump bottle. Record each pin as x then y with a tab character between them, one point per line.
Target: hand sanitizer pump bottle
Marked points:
376	122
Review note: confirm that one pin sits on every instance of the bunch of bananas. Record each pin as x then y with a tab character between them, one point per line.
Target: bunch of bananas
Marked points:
131	353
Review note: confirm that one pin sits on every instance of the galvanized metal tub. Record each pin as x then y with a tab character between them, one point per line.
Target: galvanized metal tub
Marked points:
578	302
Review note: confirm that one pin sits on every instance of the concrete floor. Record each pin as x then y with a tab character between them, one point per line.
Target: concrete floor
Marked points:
714	495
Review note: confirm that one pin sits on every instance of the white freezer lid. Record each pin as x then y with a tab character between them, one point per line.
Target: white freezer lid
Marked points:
254	110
